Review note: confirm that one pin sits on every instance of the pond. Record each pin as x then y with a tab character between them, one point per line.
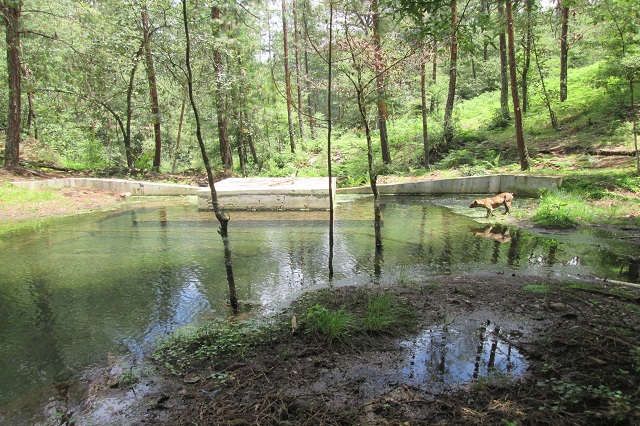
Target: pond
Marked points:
74	290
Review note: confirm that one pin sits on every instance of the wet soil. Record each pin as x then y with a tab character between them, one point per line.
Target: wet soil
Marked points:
579	342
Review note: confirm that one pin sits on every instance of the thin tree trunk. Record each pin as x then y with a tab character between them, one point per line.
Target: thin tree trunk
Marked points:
527	58
287	77
564	49
11	12
634	120
127	132
547	99
153	88
298	69
522	150
221	106
453	65
434	74
223	219
423	91
380	86
329	127
504	66
32	118
175	151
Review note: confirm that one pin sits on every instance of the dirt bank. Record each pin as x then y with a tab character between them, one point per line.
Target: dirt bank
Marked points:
538	352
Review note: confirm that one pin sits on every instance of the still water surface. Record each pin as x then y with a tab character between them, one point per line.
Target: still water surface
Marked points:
78	288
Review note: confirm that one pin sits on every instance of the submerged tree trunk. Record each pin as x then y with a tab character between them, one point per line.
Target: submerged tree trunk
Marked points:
287	77
153	89
329	127
223	218
522	150
564	49
453	65
11	12
380	86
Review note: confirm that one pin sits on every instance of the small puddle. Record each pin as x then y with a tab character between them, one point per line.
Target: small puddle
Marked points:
447	356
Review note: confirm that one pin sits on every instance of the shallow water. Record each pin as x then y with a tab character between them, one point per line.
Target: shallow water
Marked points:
74	289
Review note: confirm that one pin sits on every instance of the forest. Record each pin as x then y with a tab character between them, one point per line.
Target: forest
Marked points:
467	85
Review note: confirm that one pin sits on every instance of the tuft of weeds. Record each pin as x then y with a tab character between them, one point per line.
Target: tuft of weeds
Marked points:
537	288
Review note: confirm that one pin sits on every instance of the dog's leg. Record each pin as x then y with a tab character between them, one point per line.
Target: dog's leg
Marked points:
507	207
489	212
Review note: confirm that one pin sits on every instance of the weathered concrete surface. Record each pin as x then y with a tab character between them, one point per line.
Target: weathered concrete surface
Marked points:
116	185
269	194
521	185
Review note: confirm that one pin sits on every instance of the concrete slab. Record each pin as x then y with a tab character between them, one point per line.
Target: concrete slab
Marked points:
521	185
269	194
116	185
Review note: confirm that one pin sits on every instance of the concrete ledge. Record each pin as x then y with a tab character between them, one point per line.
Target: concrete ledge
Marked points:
521	185
116	185
269	194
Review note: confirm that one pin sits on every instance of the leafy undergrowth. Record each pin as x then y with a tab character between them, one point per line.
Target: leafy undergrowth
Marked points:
581	341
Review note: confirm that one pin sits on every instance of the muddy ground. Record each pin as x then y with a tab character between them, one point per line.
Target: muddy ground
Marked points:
578	344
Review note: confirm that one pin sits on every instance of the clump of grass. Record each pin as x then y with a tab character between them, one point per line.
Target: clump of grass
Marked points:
537	288
333	325
563	210
372	314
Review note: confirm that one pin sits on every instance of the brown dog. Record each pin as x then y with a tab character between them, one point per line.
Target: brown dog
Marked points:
503	199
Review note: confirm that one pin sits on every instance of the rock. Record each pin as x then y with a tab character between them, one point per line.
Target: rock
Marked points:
114	382
557	306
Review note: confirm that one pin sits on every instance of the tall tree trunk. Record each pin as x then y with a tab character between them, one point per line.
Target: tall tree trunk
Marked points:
329	128
527	58
223	219
11	12
423	92
545	92
153	88
127	132
287	77
306	72
522	150
380	86
504	66
221	106
32	118
453	65
181	120
434	74
296	40
634	120
564	49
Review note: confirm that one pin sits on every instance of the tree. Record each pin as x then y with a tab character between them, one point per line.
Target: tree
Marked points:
453	72
220	103
504	64
564	47
517	112
380	86
11	11
287	77
153	86
223	218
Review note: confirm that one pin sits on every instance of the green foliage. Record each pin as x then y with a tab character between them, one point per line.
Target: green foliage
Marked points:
333	325
211	341
537	288
12	195
562	209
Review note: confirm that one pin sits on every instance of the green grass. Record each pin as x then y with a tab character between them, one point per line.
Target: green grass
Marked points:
537	288
12	195
332	325
563	210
